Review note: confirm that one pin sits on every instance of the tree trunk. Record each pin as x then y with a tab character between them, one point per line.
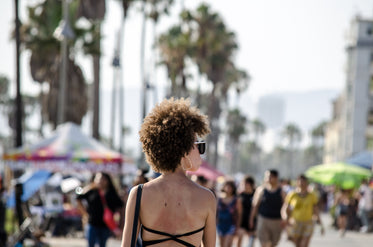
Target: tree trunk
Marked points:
18	112
121	89
113	106
213	114
142	76
96	94
155	62
142	62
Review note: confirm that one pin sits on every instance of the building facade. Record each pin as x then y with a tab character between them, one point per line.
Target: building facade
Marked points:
350	130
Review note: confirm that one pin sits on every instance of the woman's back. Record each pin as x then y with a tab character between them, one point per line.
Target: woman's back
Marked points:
174	210
175	205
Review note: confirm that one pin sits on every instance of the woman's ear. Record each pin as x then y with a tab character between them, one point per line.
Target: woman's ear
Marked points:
186	163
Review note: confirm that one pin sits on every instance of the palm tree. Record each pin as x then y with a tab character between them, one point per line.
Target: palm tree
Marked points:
157	9
118	71
279	158
250	150
236	127
318	134
174	48
203	38
313	154
37	37
19	103
7	106
4	107
258	128
212	51
292	135
234	78
4	90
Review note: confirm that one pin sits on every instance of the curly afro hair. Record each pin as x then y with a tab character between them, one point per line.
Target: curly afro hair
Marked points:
169	132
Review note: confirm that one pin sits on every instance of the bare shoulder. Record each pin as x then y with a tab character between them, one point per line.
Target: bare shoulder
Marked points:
205	198
259	190
258	194
208	195
203	191
133	192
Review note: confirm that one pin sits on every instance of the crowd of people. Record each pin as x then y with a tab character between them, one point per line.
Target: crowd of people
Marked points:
244	211
173	207
264	212
352	209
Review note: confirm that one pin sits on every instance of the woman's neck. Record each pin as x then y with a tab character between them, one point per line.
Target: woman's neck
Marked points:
179	172
228	196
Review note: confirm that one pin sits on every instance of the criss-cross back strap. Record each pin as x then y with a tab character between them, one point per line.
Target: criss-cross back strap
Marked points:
170	237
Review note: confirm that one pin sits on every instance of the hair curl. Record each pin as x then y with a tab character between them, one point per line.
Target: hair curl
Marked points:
169	132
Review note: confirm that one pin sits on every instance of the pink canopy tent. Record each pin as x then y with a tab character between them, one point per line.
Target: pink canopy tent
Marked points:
66	149
208	171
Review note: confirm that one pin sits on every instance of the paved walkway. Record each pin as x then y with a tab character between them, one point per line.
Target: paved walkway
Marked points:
330	239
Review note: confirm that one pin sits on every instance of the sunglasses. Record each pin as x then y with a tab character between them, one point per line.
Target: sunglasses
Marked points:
201	145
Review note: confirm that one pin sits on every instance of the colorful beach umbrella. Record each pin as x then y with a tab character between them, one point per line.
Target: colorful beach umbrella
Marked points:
67	147
343	175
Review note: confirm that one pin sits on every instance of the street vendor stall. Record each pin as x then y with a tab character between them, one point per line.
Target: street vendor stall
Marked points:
57	160
66	149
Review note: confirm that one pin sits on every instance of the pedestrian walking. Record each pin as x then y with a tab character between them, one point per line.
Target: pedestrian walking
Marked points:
342	203
98	195
286	185
267	204
172	208
227	214
3	199
244	205
365	206
301	211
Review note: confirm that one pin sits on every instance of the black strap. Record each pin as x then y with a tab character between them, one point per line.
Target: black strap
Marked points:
170	237
136	217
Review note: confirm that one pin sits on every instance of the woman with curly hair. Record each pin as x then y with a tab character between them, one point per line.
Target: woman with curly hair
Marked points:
174	211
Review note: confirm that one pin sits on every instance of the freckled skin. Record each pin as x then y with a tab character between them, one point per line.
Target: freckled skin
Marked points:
179	208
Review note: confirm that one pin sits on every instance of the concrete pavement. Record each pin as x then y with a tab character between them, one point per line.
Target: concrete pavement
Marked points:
331	238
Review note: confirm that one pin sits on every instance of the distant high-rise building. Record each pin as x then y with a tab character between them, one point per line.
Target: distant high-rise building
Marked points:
271	111
351	129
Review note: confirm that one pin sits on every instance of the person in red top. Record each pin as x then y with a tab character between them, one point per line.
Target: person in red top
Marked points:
93	210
